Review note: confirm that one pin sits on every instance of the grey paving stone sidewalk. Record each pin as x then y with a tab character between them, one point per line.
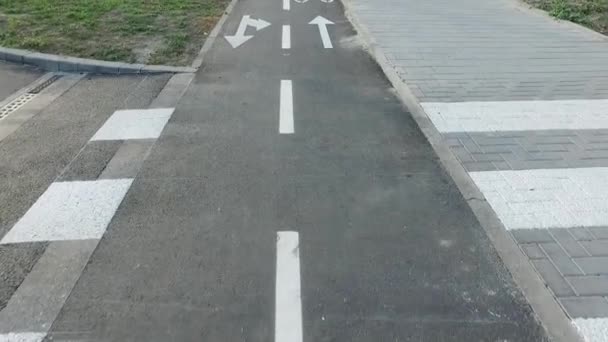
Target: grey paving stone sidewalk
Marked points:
574	264
522	150
484	50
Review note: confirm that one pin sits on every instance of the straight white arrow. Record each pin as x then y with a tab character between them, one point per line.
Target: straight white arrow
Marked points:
239	37
322	23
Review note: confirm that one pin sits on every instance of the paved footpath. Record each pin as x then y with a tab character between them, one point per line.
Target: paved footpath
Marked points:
287	197
522	102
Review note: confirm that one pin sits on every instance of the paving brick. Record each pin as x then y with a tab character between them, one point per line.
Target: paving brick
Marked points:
581	234
585	307
488	157
532	235
501	165
596	247
479	166
593	265
533	251
463	155
589	285
553	278
599	232
533	149
497	148
568	243
560	259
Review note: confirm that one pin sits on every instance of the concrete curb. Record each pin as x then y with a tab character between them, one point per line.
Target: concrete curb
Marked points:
198	61
548	311
56	63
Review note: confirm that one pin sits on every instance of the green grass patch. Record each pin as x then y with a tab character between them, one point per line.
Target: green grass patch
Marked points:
143	31
591	13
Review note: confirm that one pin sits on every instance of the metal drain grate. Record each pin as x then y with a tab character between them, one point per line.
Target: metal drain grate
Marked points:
42	86
25	98
15	104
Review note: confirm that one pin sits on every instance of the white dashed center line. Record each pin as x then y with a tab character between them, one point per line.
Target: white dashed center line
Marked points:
286	109
286	5
288	315
286	43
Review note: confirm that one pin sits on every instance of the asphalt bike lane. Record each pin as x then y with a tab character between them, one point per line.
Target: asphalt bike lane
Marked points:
292	198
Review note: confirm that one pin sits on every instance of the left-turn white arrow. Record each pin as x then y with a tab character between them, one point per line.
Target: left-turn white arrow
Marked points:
322	23
239	37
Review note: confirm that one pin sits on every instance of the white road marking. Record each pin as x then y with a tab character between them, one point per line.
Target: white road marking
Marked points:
70	211
134	124
286	108
286	39
322	23
286	5
327	1
551	198
592	329
239	37
288	315
518	115
22	337
301	1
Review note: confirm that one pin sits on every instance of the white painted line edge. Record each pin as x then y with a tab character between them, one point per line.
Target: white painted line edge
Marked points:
592	329
288	312
22	337
286	5
286	39
286	108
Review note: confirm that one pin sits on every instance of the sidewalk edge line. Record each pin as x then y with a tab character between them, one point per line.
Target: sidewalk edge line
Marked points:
198	61
180	89
57	63
557	325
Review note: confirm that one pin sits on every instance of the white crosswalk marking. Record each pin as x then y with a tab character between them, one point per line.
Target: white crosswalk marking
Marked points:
288	315
551	198
517	115
70	211
134	124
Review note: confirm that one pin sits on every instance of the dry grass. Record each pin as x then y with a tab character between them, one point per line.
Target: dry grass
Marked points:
143	31
591	13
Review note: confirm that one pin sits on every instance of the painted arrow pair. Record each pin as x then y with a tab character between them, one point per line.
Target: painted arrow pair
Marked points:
239	37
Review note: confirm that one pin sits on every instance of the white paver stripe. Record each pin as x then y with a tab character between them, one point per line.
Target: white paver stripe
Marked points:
518	115
286	108
134	124
288	314
592	329
70	211
22	337
555	198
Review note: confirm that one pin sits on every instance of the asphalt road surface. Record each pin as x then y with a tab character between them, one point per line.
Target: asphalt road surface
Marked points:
289	198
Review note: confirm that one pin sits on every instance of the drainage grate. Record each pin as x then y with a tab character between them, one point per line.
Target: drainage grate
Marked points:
25	98
15	104
42	86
